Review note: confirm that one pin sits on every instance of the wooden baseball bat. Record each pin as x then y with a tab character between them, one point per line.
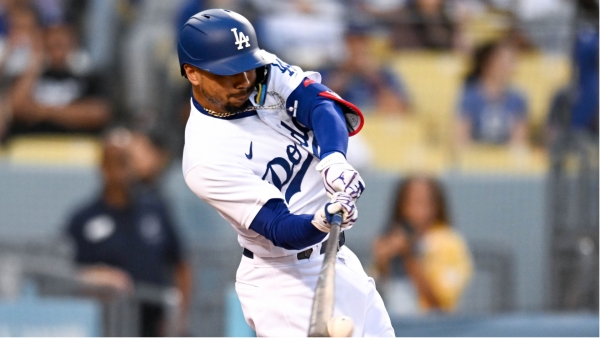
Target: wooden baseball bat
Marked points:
324	300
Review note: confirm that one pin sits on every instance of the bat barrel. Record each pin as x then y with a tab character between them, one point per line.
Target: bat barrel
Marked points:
324	300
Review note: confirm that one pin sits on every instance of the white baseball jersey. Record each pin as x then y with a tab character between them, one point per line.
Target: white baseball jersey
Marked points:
236	165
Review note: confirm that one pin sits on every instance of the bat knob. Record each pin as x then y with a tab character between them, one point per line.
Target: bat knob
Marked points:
340	326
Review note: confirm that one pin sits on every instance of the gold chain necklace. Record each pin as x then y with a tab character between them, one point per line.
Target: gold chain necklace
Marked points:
279	105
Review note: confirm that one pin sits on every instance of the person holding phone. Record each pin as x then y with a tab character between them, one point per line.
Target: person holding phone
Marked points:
423	263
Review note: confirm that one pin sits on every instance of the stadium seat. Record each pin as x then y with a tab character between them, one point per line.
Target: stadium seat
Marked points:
487	26
54	150
496	159
540	76
433	81
401	144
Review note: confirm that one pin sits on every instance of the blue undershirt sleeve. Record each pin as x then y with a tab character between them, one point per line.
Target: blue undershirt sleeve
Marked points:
321	114
293	232
329	127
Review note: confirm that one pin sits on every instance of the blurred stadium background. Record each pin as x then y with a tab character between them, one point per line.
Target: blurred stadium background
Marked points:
528	209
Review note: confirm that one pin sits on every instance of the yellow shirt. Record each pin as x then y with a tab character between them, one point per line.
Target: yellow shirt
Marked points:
446	264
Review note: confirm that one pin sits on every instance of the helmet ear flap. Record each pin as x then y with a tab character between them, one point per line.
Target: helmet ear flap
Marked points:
262	79
183	71
261	75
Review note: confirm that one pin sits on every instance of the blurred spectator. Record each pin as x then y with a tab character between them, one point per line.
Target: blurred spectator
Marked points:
53	96
100	24
424	24
124	239
360	80
585	109
490	110
22	42
5	116
149	157
576	108
419	253
546	23
51	12
307	33
146	48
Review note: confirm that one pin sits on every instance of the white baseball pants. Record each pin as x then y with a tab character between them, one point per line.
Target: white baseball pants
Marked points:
277	295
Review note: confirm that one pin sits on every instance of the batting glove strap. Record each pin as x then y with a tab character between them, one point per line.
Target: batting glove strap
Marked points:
339	176
335	158
339	202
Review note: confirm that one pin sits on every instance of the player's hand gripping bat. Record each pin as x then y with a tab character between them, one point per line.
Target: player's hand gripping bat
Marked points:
322	309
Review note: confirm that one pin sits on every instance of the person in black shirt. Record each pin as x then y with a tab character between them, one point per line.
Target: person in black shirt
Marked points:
123	238
150	156
52	97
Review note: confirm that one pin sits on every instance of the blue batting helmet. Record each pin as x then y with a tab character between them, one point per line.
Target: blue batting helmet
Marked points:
221	42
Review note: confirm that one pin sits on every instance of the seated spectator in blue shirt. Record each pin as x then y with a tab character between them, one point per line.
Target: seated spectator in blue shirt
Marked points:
360	80
123	239
490	110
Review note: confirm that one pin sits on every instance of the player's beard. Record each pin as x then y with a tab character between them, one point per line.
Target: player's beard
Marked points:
228	107
236	109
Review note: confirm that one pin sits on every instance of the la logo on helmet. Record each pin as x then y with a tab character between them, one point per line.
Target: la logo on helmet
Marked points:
240	39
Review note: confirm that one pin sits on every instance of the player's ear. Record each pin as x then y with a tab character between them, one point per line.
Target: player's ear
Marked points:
192	73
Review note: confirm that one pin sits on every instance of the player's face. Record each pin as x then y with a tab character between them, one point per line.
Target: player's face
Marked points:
223	93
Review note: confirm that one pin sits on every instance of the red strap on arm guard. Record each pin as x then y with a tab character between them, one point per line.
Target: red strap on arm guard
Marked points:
354	117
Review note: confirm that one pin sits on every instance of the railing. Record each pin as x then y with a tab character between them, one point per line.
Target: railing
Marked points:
55	275
573	215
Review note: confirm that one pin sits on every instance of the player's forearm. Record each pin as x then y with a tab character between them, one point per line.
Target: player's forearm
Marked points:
284	229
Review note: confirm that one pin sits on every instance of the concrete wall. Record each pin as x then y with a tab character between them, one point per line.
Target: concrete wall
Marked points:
506	212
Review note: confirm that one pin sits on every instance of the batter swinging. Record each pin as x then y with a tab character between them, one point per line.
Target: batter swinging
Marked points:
265	145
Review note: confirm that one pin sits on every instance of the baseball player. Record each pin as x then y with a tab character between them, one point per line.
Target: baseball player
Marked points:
265	145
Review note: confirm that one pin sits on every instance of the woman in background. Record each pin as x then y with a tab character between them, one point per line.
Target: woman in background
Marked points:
419	254
490	109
